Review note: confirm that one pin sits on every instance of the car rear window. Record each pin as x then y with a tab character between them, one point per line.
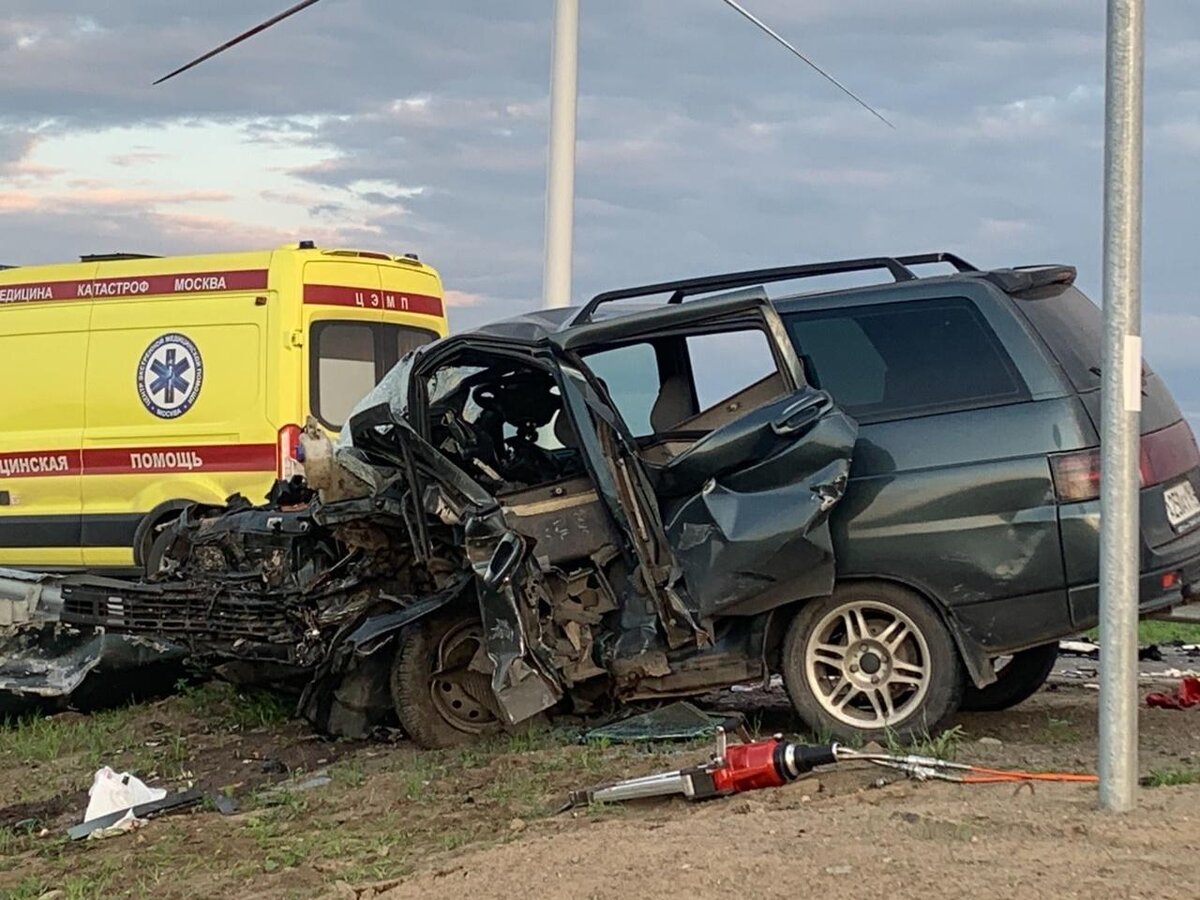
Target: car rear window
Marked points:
893	360
349	358
1072	327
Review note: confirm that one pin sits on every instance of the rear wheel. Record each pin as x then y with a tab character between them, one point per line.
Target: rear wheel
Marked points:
1016	681
439	699
869	662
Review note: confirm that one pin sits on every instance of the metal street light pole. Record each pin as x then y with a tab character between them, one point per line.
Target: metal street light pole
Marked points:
1122	403
560	175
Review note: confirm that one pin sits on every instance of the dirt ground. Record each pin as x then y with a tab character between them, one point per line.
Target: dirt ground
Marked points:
394	822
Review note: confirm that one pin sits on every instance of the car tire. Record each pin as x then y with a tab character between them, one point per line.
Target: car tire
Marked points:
439	701
158	549
1015	682
836	646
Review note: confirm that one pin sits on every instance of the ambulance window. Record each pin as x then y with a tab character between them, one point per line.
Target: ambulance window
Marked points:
404	339
345	368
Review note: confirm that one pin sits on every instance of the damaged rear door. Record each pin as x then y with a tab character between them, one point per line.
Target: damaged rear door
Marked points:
745	459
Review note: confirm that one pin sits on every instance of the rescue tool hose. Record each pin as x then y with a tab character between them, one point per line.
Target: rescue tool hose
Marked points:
927	767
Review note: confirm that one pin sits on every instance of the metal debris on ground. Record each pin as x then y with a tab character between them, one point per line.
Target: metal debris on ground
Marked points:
1186	696
1150	653
678	721
1086	649
317	779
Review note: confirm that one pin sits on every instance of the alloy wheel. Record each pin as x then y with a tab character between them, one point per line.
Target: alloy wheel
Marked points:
867	664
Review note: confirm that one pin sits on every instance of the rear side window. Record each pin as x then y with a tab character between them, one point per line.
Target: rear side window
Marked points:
349	358
1072	327
894	360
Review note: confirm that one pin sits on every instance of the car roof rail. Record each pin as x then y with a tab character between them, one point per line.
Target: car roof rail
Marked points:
925	259
691	286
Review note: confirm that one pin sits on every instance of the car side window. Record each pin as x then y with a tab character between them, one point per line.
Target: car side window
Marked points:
630	374
725	363
885	361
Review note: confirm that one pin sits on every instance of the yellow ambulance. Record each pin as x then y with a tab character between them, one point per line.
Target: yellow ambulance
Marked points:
132	385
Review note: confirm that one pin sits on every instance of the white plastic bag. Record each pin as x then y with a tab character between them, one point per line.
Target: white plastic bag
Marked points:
111	792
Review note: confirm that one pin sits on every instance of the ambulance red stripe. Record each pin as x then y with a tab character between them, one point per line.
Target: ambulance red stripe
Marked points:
135	286
39	464
367	298
211	458
139	460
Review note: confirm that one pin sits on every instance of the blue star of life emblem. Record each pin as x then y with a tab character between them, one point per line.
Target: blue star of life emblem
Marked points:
169	376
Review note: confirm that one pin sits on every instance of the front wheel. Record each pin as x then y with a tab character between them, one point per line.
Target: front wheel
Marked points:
869	662
439	699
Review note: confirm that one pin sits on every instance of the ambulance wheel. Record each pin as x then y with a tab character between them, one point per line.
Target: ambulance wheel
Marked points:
158	549
439	700
870	662
1017	680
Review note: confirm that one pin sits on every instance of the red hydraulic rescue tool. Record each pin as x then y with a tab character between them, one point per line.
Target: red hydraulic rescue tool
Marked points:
774	763
742	767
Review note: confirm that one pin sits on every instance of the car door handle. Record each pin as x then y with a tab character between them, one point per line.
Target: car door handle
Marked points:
799	415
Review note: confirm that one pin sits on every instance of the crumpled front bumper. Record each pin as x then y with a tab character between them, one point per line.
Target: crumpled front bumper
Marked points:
42	659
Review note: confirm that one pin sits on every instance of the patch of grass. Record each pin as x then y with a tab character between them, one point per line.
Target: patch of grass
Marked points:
102	881
350	774
821	736
12	843
1155	631
1171	777
525	791
943	745
1059	731
224	705
27	889
43	739
260	709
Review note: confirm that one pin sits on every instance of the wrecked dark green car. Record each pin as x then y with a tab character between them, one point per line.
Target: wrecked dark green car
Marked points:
492	537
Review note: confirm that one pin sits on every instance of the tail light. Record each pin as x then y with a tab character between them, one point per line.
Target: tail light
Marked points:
287	453
1166	454
1076	475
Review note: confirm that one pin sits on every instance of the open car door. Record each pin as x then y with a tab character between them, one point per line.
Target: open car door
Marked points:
745	460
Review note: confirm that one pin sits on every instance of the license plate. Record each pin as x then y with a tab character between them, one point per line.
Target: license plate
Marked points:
1182	503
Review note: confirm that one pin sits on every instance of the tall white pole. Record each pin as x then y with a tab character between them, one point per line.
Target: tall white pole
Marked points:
560	175
1122	404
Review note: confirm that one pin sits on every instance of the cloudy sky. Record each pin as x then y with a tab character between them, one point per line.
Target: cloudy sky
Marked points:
421	126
